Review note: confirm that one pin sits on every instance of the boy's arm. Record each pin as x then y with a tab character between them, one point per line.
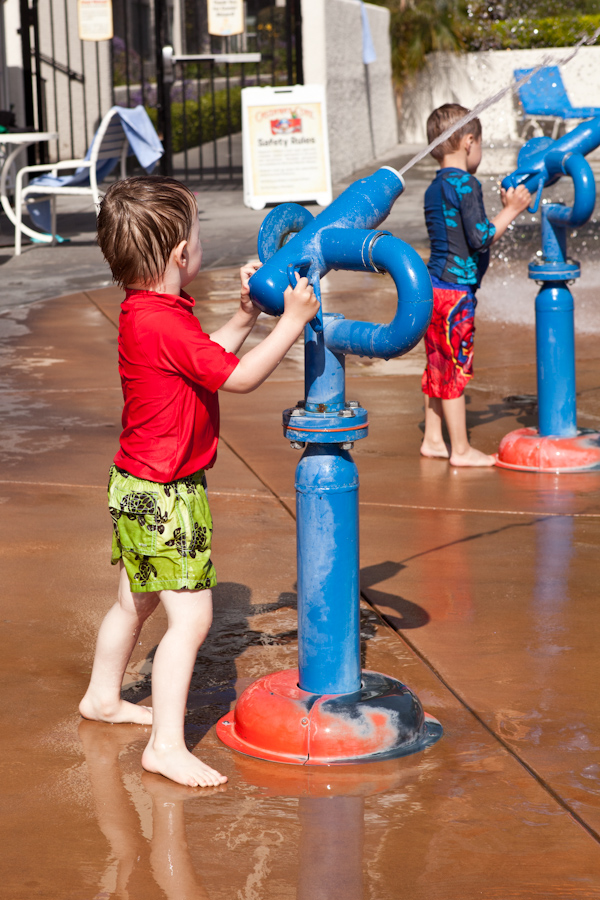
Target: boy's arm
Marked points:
301	306
232	335
514	202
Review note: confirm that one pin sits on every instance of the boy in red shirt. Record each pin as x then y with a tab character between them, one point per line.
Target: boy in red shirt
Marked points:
149	232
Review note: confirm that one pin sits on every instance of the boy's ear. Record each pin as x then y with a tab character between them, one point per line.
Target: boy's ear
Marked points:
179	254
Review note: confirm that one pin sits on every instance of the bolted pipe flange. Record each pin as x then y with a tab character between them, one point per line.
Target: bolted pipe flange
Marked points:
554	271
341	426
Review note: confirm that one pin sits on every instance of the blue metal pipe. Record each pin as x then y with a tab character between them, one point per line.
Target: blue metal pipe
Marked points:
328	571
532	166
555	348
324	373
584	185
413	313
543	161
291	241
363	205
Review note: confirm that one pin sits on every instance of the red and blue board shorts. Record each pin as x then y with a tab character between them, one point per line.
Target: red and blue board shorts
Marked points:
449	344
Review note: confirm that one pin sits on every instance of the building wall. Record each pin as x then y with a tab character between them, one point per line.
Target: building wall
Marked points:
360	101
469	78
73	103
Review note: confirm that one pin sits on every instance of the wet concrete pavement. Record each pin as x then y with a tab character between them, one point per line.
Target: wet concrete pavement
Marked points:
479	591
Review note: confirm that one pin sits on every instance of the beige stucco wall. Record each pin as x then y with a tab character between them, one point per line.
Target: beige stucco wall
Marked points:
360	102
469	78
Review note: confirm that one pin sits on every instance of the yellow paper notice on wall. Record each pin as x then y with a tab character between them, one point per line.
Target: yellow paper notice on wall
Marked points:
225	17
95	19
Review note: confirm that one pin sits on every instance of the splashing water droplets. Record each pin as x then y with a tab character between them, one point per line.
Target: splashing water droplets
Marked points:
494	98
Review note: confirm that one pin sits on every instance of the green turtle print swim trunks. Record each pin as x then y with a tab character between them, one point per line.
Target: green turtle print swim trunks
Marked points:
162	532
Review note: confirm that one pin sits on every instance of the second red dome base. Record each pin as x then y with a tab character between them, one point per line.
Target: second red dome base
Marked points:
526	450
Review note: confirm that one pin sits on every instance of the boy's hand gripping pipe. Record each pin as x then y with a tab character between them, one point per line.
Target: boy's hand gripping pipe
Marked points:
557	445
328	710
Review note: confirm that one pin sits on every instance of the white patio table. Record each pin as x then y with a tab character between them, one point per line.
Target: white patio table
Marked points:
11	145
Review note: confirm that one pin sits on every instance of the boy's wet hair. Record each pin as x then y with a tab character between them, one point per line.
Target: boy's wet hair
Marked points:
441	119
141	220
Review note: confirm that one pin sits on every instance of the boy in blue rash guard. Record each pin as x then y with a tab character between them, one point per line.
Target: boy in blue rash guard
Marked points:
460	235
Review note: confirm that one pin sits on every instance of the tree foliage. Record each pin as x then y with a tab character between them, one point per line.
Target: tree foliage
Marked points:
419	27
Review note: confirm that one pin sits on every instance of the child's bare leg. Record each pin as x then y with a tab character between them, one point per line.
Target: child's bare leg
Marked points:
116	639
462	454
433	441
189	615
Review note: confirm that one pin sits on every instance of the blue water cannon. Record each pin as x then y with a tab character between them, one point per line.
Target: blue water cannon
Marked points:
291	240
557	444
542	161
329	710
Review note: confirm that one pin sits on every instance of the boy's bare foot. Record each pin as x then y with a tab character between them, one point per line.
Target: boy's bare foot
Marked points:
434	451
117	713
181	766
163	790
472	457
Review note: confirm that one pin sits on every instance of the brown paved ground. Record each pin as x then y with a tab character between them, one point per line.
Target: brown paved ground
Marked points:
483	593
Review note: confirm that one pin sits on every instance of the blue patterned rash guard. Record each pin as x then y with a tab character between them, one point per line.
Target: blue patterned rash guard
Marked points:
460	233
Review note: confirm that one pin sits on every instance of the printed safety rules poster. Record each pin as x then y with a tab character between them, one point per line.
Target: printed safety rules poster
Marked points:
286	153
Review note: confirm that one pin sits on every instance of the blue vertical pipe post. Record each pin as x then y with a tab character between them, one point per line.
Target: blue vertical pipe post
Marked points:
291	242
555	343
328	571
340	714
327	539
541	162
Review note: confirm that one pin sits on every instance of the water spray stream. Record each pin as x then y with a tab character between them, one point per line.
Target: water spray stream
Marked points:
489	101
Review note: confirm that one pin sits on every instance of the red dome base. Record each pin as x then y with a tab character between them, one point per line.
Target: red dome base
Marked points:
525	449
275	720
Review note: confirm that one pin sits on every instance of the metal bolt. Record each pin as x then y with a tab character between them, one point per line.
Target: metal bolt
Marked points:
297	445
346	413
304	721
297	412
347	445
352	404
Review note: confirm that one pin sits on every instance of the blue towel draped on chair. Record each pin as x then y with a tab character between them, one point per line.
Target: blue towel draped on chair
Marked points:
144	144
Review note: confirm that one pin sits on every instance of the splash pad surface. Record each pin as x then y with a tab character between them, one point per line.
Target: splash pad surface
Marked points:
482	595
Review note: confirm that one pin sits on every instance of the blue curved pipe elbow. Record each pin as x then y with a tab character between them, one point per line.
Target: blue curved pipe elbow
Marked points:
584	184
413	313
341	238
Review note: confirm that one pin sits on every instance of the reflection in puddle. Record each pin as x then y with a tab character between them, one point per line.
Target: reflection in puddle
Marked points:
330	864
553	554
141	838
144	823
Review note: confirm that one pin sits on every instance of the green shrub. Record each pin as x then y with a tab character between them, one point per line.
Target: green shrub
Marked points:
202	123
525	34
419	27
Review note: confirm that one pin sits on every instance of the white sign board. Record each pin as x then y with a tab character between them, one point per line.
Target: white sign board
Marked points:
225	17
285	146
95	19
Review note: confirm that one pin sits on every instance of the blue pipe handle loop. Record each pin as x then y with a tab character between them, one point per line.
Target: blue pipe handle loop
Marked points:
295	268
413	312
584	188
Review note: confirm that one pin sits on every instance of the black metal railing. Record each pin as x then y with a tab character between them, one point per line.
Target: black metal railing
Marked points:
195	101
61	78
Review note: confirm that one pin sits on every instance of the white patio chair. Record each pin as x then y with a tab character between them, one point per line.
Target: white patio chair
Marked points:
110	142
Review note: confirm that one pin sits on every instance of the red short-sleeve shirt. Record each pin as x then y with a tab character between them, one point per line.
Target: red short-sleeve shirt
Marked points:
170	373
